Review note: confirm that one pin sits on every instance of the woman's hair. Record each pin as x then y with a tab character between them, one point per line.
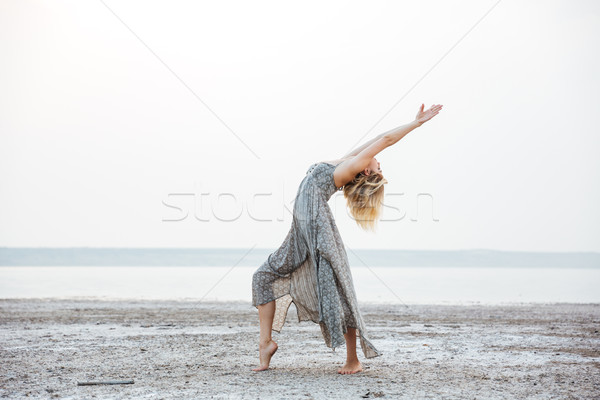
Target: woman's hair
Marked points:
364	195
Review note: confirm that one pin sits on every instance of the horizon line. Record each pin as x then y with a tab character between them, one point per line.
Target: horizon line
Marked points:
270	248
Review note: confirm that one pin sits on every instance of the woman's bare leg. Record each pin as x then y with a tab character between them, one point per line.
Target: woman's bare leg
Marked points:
352	365
266	346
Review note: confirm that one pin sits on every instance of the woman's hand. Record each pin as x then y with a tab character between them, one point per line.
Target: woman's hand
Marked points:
424	116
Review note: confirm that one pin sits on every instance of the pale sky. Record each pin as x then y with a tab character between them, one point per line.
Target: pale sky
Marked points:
98	135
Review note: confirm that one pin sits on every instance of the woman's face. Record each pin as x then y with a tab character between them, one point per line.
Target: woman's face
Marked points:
373	167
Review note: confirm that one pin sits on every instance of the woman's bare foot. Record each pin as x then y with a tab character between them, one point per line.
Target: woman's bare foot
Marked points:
265	352
351	367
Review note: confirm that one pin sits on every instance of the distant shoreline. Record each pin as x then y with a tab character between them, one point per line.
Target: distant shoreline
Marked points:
90	256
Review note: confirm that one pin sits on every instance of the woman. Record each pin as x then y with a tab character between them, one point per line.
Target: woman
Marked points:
310	268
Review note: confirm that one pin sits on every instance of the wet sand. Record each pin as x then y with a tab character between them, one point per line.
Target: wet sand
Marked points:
191	350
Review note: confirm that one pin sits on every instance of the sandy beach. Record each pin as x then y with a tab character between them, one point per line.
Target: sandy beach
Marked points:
190	349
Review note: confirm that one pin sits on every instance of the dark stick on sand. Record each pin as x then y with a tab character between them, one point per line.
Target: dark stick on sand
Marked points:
105	383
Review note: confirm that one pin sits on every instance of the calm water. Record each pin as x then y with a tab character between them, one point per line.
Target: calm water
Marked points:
397	285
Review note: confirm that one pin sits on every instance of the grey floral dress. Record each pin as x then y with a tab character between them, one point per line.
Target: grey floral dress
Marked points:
311	267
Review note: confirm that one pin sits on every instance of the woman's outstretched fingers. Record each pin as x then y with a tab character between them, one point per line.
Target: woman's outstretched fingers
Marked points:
424	116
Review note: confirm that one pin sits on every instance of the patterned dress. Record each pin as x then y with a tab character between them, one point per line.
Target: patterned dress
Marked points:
311	267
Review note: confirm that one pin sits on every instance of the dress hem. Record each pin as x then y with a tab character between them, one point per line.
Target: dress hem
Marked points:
360	335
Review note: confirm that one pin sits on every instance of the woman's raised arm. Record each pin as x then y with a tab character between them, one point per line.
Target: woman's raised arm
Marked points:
362	155
401	131
364	146
422	116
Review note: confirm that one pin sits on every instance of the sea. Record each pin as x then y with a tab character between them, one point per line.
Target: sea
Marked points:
400	277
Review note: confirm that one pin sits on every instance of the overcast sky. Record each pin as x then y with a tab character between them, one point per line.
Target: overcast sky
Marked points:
188	124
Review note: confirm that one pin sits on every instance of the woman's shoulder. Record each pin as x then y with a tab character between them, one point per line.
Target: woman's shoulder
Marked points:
329	172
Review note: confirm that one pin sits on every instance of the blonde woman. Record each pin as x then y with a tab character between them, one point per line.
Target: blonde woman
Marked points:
310	268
